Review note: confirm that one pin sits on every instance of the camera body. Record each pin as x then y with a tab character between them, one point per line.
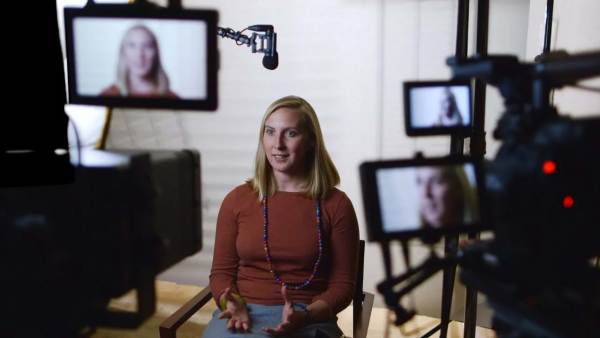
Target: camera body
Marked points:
543	192
543	183
68	249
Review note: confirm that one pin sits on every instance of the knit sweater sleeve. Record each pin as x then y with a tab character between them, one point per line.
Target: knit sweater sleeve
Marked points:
344	257
225	262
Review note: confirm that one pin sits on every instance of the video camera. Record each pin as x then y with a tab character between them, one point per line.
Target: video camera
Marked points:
66	250
540	199
538	271
76	231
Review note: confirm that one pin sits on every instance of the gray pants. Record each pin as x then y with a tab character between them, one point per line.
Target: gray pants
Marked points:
269	316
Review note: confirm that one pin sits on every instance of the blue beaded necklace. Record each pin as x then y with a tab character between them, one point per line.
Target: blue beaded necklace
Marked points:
268	252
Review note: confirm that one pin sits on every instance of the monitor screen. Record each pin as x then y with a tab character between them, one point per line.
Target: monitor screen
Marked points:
437	107
149	58
407	198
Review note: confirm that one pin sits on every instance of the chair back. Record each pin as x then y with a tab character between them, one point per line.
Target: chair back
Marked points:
360	322
359	295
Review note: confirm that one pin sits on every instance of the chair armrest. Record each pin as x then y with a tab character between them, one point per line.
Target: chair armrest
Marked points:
361	321
168	328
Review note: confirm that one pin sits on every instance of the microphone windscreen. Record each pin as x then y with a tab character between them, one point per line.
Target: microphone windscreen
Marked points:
271	62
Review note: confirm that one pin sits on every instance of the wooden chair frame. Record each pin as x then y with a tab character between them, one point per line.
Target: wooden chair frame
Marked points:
362	304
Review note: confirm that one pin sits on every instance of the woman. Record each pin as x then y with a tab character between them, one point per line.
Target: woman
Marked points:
285	254
449	114
446	197
139	70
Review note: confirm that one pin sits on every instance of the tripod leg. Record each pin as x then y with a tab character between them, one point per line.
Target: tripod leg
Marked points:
470	307
450	247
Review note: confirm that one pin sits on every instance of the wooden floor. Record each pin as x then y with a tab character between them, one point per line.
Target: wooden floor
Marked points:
381	326
171	296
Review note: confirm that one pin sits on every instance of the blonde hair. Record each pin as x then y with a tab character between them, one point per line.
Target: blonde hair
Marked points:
321	175
158	75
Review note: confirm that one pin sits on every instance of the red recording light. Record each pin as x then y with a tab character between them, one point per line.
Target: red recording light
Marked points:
568	202
549	167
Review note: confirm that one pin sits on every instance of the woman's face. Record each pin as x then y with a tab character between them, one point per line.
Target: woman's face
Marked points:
438	200
446	106
285	142
140	52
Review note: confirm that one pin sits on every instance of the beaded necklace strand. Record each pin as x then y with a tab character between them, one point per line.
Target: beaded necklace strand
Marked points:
268	252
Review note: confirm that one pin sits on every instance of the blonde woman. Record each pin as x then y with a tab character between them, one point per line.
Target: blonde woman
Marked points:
285	255
139	69
446	197
449	115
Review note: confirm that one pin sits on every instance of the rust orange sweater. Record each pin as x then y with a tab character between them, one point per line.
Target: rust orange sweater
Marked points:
239	258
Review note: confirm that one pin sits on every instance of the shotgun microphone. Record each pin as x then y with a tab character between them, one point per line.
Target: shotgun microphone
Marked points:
271	58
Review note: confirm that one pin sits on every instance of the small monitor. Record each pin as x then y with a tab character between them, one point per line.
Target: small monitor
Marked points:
145	57
437	107
416	198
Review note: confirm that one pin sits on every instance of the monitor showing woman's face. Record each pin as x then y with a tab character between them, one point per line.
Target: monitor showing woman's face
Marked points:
437	107
123	56
426	196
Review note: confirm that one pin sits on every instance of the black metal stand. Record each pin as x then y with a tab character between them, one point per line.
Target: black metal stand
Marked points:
470	308
450	248
456	150
548	30
478	137
477	145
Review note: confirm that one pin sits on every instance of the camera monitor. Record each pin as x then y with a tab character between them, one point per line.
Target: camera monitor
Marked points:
146	57
437	107
413	198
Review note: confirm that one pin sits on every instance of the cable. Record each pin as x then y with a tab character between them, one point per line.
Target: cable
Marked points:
239	38
240	34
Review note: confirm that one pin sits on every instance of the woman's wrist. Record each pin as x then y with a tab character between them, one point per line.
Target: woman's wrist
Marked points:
236	297
306	319
222	302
